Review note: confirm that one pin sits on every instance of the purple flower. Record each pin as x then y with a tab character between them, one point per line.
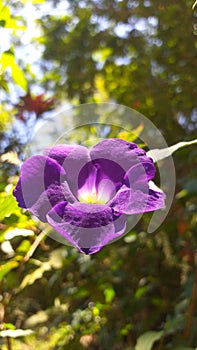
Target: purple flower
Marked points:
86	195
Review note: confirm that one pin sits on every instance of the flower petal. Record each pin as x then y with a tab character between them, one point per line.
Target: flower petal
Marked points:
88	227
125	154
140	173
134	201
38	173
85	215
72	159
59	152
48	199
46	202
156	200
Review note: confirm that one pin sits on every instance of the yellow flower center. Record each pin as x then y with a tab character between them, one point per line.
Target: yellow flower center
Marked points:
100	195
92	197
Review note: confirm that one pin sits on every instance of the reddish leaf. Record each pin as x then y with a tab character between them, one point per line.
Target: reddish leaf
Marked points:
37	104
136	104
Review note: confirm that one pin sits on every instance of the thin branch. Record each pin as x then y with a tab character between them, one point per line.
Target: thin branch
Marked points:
28	255
8	343
34	246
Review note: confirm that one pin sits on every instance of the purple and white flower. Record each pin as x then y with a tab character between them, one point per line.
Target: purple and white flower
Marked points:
86	195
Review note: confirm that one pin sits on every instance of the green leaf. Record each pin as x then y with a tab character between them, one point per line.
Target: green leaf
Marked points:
18	76
4	12
24	246
14	25
7	21
159	154
132	135
141	291
4	269
146	340
15	333
8	206
109	295
35	275
9	326
101	55
5	119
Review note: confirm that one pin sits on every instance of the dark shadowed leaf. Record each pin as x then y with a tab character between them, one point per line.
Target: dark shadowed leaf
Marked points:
146	340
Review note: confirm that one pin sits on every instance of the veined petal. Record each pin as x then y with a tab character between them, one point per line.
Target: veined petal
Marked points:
49	198
46	201
87	229
156	200
125	154
75	159
141	172
85	215
37	174
59	152
135	201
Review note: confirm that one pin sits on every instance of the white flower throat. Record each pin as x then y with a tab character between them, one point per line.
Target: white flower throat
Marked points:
100	195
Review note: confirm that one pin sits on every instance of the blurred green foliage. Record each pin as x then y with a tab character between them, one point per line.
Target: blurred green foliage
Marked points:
140	293
139	53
